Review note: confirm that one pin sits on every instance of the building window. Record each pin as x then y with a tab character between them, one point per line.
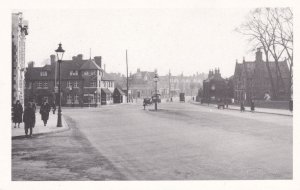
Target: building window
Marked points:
69	98
75	85
39	84
73	73
76	97
43	73
45	85
85	73
93	72
69	84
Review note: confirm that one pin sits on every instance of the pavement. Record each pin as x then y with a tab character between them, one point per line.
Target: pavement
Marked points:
247	109
39	128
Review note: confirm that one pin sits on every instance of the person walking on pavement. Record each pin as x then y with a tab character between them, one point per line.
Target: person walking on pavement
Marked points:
291	105
17	113
29	119
44	111
252	106
53	107
242	106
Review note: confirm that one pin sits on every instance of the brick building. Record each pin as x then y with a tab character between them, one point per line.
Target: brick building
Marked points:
215	87
252	79
19	33
83	82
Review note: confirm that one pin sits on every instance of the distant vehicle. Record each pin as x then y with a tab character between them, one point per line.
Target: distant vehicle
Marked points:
147	101
181	97
158	98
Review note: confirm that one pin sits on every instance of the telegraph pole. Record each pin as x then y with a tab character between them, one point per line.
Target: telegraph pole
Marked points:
127	75
169	85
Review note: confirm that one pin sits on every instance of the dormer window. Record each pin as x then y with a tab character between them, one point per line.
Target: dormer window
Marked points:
43	73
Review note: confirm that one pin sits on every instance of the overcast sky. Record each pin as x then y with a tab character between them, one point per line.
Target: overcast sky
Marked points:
183	40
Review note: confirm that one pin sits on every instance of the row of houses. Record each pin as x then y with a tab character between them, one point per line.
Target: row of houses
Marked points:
83	83
141	84
251	80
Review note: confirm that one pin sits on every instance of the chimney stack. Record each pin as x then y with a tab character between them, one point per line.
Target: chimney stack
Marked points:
258	57
98	60
31	64
80	56
52	59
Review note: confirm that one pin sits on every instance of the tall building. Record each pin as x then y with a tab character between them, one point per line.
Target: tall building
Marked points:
19	33
252	79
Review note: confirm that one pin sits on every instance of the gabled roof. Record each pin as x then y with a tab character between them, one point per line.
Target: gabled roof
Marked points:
89	65
106	91
35	73
253	69
120	91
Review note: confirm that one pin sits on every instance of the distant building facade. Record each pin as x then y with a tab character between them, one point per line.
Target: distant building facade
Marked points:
173	85
252	79
216	88
141	84
19	33
83	82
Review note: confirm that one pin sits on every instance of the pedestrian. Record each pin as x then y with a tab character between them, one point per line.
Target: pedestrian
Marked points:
33	104
291	105
17	113
29	119
144	104
252	106
53	107
44	111
226	103
242	106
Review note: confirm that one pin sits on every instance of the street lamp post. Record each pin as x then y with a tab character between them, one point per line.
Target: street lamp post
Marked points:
60	53
95	98
155	80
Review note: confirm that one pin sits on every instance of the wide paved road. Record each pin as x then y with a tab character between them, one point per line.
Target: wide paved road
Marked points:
184	141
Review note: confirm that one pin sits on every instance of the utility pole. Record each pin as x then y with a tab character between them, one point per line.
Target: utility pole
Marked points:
127	75
169	84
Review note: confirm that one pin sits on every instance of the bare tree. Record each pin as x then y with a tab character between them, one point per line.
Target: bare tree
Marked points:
256	28
272	30
284	36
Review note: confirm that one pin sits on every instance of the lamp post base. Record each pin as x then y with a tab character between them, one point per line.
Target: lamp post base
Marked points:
59	123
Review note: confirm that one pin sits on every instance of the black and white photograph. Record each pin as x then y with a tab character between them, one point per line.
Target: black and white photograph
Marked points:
150	93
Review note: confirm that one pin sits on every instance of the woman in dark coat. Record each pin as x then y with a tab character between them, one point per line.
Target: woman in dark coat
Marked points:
29	118
44	111
17	113
242	106
252	106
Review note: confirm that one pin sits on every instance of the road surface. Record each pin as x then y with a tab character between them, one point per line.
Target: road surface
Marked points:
178	142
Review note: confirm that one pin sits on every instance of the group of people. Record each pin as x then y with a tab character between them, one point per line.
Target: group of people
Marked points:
28	115
252	106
